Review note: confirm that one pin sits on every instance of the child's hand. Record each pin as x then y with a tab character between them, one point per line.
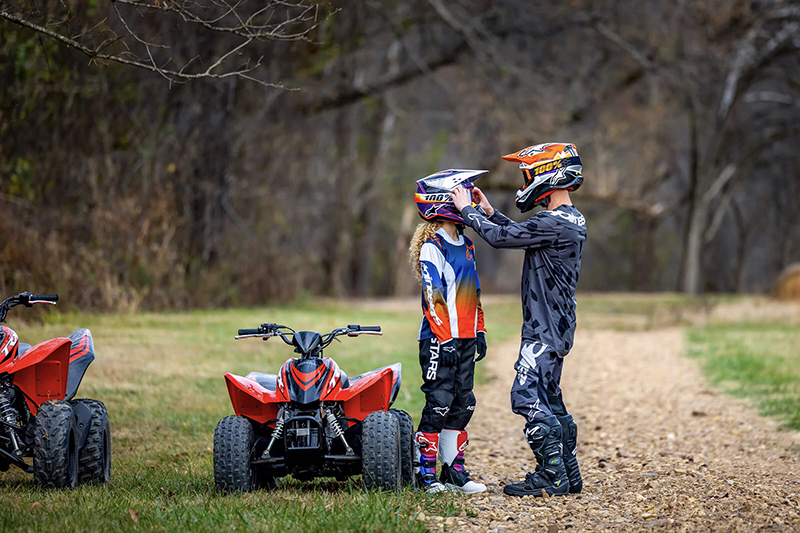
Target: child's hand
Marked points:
448	353
479	198
480	346
460	197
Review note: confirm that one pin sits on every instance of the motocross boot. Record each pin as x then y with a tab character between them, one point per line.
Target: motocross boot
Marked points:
426	448
452	444
544	438
569	440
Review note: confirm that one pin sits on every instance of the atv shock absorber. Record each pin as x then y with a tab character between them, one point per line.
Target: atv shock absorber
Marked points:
9	416
336	429
275	434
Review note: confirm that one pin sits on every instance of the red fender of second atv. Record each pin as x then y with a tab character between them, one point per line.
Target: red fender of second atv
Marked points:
372	392
41	372
253	401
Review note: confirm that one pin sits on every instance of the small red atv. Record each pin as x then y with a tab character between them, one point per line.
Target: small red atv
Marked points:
68	439
311	420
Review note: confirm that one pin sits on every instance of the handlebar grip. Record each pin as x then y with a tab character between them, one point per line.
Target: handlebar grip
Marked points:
43	298
249	331
371	328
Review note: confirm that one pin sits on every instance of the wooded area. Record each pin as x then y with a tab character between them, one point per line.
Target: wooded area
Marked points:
130	185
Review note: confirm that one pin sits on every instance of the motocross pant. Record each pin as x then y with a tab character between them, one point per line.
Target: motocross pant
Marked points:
449	400
536	392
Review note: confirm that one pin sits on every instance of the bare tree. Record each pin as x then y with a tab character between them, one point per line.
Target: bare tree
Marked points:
140	33
717	167
718	150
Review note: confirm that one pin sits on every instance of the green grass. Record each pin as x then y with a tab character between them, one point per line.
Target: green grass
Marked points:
757	361
642	311
161	377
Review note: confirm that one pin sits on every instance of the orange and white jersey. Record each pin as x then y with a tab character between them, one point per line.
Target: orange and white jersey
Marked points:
451	291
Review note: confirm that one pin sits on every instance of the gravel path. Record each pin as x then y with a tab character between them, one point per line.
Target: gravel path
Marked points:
657	449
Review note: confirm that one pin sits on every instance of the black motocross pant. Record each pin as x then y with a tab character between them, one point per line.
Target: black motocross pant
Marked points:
449	401
536	392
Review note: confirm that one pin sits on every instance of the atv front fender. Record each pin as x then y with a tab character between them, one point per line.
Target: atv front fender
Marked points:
41	373
253	401
373	391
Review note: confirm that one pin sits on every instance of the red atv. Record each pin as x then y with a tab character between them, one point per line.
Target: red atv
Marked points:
68	439
311	420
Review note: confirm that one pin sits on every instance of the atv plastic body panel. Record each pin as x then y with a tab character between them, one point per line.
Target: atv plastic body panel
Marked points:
41	373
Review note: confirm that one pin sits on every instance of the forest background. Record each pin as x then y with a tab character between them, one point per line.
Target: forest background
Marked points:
122	190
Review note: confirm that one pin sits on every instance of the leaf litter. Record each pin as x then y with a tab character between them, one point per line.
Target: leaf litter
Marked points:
658	451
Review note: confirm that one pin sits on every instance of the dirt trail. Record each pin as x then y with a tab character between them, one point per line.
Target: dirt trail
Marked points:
657	449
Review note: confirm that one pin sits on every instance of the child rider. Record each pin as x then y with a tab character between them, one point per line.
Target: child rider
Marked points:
553	241
451	334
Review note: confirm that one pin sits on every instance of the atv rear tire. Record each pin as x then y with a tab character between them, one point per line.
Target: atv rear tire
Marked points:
406	447
55	454
380	454
94	459
233	444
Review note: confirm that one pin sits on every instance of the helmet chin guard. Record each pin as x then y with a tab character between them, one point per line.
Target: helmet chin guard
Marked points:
433	194
546	168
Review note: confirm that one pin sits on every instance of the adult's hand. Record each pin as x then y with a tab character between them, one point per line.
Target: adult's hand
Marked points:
448	354
460	197
479	198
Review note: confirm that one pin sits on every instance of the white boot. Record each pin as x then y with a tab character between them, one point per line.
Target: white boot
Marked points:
452	444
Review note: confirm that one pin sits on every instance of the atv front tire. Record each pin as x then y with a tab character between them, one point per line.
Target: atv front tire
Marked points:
406	447
233	443
55	454
380	454
94	459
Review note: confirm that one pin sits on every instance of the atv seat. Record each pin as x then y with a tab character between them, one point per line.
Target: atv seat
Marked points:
356	378
268	381
81	354
22	348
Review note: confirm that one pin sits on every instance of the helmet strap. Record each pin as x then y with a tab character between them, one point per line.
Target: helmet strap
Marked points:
544	200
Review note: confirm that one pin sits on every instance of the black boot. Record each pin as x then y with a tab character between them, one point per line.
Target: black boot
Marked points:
544	438
569	440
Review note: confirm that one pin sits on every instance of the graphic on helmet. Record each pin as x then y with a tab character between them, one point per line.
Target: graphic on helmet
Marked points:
433	193
546	168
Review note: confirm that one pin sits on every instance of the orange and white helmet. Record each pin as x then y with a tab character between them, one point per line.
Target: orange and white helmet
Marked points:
546	168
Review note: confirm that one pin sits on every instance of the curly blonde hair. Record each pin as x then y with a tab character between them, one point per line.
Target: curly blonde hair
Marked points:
424	231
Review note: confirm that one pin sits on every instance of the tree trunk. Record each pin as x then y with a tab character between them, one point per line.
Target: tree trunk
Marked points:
691	263
692	260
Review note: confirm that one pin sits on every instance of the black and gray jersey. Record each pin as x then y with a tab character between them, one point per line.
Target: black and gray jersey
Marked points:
553	243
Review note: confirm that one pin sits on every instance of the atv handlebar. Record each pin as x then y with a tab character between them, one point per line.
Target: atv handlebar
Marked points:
354	330
27	299
272	330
